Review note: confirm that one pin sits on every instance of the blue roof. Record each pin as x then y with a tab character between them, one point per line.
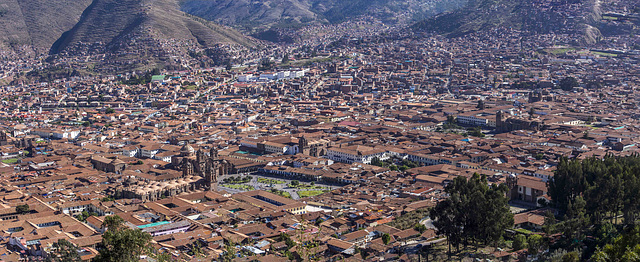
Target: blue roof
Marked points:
154	224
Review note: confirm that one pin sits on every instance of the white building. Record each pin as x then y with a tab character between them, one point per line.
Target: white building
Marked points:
356	154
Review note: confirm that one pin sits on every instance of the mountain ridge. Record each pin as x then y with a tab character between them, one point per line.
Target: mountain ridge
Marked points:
37	24
264	14
159	19
479	15
54	26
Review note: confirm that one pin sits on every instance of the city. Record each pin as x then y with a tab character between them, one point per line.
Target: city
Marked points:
358	141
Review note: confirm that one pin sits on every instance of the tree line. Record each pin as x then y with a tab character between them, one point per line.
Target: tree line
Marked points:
474	213
599	205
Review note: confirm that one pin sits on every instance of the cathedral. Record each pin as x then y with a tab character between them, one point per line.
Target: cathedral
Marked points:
197	163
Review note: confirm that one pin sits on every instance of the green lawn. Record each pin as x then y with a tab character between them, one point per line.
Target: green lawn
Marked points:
281	193
190	87
10	161
557	51
240	187
310	193
269	181
604	54
306	186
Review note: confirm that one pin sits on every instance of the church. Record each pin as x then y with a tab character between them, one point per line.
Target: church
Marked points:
198	163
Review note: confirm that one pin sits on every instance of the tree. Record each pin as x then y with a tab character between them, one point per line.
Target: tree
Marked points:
535	243
64	251
486	224
23	209
476	131
532	112
285	59
576	219
625	247
109	111
364	253
229	253
386	238
519	242
266	64
451	119
445	218
568	83
295	183
420	228
120	243
606	233
83	216
572	256
164	257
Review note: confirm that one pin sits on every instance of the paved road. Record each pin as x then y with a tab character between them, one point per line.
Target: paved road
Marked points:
294	195
412	248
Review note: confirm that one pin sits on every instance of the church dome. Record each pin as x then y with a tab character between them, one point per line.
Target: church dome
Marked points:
187	150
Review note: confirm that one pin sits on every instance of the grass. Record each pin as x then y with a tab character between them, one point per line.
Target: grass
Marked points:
305	186
310	193
10	161
604	54
240	187
410	219
285	194
269	181
237	180
281	193
558	51
524	231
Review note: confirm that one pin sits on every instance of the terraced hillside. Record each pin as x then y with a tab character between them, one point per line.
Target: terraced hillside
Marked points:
113	23
37	24
262	14
559	16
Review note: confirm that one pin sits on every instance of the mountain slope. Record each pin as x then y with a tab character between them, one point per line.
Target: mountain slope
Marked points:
250	12
36	24
114	23
559	16
263	14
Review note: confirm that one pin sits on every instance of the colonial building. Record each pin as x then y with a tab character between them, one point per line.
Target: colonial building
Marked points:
505	124
108	165
210	167
527	188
